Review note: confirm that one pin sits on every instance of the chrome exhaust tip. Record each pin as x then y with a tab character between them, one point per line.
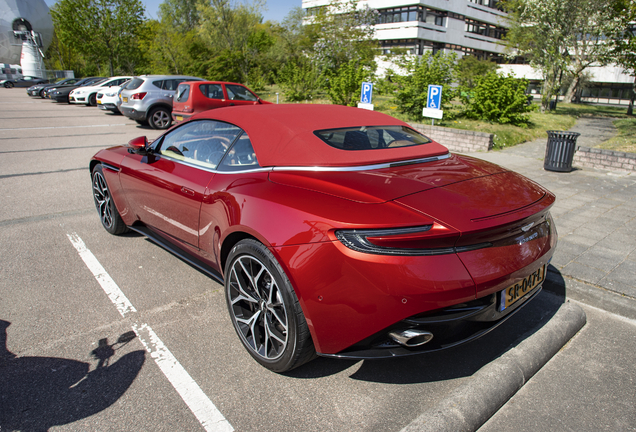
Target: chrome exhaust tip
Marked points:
411	338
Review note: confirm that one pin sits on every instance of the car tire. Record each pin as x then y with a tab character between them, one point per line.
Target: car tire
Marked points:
42	94
108	213
160	118
92	100
264	308
8	84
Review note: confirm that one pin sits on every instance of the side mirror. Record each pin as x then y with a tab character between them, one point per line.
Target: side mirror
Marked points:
138	145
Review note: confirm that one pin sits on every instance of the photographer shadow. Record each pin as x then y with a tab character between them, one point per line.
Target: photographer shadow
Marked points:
37	393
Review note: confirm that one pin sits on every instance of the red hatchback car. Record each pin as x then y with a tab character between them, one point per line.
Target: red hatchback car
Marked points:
336	231
193	97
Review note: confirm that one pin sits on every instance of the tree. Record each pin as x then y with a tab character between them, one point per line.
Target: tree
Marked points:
540	30
469	68
294	68
625	46
345	83
415	77
562	36
102	30
236	33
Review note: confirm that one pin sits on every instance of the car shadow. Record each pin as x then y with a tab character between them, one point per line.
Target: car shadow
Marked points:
457	362
37	393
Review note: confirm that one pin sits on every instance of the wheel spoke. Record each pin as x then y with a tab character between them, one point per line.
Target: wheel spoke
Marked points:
257	307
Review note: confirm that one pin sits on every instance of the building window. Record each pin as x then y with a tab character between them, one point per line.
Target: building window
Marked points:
478	27
493	4
411	13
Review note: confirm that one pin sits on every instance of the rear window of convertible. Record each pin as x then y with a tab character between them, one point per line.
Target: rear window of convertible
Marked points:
371	137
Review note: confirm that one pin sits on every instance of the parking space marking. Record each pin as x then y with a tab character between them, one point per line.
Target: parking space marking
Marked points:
201	406
66	127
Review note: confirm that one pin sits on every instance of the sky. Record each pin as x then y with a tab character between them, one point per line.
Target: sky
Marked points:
276	9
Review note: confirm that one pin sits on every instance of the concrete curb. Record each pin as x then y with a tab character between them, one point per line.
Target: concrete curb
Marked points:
473	403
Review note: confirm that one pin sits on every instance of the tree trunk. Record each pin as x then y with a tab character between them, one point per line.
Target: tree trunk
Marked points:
630	107
569	95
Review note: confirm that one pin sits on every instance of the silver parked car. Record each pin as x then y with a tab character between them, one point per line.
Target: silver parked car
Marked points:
148	99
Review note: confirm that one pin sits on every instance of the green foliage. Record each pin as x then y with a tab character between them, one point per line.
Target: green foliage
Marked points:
299	79
412	85
104	32
500	99
236	32
469	68
345	84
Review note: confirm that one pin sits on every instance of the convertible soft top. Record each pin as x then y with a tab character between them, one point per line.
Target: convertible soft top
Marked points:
283	135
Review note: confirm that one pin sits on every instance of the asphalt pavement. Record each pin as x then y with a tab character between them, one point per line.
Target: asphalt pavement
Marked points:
70	361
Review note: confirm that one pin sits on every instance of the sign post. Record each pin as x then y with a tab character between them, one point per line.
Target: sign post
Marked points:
366	96
433	108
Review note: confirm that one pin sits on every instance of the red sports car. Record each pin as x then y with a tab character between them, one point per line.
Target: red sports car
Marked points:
193	97
336	231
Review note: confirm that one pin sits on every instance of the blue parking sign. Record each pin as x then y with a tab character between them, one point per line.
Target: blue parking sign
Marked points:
367	92
434	99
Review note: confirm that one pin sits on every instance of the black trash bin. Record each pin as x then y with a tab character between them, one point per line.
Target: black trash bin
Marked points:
559	151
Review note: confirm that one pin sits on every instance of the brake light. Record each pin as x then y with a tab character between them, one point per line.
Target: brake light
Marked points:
139	96
433	239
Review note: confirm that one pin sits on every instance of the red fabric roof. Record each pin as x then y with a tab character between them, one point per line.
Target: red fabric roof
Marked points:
282	135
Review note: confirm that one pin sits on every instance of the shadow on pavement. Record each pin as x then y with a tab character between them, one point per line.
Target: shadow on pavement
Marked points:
452	363
37	393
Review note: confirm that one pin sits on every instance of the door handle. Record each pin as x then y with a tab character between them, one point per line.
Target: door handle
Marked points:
187	191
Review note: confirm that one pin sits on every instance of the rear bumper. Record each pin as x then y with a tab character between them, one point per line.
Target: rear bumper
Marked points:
133	113
108	107
179	117
450	327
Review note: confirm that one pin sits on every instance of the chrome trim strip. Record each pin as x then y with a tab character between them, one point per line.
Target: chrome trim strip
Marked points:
110	167
212	170
363	167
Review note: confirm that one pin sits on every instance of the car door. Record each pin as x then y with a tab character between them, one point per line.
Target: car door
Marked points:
239	95
166	187
213	97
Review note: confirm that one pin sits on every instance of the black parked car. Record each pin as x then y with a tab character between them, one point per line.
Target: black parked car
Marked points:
38	89
25	81
60	93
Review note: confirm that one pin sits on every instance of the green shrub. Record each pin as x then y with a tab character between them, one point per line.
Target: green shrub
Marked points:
499	99
412	87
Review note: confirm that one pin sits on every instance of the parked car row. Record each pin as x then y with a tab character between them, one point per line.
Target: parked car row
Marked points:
149	99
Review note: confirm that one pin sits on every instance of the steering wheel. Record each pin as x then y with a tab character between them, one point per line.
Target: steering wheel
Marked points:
173	149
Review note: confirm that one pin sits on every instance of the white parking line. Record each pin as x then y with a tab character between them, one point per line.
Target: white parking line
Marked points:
65	127
201	406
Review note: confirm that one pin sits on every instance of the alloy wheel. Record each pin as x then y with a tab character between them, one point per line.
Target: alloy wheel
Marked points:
161	119
102	199
257	308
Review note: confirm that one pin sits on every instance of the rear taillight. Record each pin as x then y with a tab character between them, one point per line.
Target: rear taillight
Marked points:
139	96
187	109
433	239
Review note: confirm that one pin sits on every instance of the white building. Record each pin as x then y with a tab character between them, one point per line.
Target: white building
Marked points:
473	27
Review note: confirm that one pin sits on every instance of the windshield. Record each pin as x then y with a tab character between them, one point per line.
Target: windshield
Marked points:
371	137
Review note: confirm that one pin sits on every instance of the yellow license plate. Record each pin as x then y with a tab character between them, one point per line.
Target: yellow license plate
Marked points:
125	99
516	292
179	118
99	102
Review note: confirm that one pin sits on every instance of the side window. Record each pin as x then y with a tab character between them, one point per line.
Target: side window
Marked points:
235	92
212	91
169	84
240	157
202	142
158	84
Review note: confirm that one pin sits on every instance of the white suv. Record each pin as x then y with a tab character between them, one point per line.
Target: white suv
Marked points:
148	99
88	95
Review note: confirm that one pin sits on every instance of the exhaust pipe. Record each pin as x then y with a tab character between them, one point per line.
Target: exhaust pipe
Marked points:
411	338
